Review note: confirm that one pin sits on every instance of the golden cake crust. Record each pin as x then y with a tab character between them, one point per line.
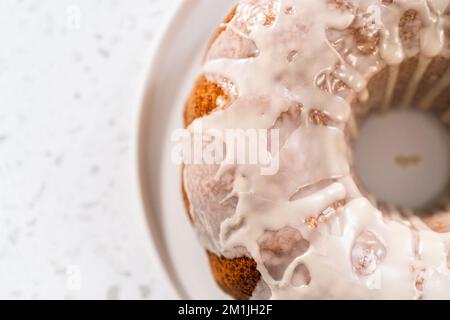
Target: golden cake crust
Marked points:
237	277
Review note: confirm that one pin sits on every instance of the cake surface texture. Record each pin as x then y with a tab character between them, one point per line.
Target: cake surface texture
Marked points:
313	70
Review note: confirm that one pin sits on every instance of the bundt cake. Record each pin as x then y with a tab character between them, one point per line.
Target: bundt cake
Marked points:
313	70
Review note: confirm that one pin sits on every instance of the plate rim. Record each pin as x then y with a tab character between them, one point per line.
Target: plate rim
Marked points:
140	148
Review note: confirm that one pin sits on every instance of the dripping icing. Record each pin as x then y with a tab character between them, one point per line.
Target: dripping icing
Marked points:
265	203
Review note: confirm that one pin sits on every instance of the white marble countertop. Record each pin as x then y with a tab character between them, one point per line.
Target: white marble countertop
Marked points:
71	77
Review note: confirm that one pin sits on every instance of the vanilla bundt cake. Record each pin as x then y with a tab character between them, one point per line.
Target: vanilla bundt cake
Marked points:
313	70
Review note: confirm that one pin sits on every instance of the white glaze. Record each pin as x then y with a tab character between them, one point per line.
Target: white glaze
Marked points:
390	87
424	62
427	101
291	55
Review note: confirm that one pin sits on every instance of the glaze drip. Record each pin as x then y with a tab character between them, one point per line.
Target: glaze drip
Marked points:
280	53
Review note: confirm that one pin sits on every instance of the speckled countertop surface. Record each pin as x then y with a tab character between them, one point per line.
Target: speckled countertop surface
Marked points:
71	77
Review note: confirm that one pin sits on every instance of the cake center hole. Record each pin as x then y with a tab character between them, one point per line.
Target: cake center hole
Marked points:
403	158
